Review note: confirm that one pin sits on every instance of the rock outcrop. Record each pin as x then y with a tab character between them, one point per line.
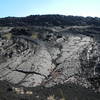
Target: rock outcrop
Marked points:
57	59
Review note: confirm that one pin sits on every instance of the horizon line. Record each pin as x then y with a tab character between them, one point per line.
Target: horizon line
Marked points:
50	14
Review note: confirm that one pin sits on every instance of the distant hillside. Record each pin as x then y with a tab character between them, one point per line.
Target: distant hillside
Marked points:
49	20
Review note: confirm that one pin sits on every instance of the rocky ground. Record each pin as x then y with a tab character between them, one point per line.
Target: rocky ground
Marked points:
57	92
53	59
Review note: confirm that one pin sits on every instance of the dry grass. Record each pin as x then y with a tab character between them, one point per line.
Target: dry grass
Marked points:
51	97
7	36
34	36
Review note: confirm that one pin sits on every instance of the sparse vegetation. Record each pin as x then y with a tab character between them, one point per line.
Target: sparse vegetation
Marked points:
34	36
48	28
58	92
49	20
7	36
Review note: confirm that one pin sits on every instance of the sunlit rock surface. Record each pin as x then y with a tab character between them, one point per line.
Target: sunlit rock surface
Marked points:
57	59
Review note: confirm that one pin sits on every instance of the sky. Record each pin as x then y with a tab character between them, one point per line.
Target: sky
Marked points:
21	8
